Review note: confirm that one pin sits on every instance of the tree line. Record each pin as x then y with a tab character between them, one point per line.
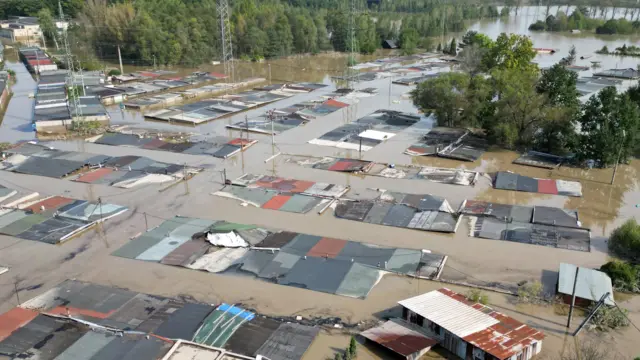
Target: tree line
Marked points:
188	32
518	106
580	20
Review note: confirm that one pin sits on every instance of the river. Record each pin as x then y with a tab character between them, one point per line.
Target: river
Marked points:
586	43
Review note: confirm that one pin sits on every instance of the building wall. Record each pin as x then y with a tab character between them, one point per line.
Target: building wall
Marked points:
460	347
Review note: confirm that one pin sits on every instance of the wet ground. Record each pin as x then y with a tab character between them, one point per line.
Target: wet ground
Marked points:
40	266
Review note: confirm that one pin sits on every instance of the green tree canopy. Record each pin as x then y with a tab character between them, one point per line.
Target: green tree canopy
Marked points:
608	124
511	52
520	111
625	241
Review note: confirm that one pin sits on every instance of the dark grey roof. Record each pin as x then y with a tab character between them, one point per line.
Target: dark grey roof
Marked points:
319	274
184	322
289	342
52	114
52	230
55	168
133	347
26	337
251	335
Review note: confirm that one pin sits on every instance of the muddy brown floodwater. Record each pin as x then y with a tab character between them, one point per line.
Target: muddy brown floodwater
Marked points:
602	208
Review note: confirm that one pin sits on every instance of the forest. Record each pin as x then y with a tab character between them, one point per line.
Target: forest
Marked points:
186	32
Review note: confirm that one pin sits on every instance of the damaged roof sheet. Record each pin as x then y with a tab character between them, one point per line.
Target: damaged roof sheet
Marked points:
400	337
323	264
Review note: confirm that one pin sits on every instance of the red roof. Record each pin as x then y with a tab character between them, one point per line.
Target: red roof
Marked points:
502	340
94	175
285	185
547	186
64	310
335	103
217	75
14	319
242	142
148	74
399	336
50	204
41	62
276	202
327	247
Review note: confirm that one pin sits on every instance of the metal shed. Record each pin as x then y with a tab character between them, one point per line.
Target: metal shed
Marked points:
592	284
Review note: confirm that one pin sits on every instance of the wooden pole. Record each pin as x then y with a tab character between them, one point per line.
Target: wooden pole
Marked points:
573	297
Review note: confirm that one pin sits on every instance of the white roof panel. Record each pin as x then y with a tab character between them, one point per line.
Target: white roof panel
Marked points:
376	135
451	314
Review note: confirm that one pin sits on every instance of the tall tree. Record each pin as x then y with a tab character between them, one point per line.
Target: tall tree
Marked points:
511	52
520	111
408	40
48	25
608	128
457	99
559	84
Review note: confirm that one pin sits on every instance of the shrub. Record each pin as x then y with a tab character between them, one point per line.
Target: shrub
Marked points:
609	318
114	72
625	241
538	26
530	292
624	276
478	296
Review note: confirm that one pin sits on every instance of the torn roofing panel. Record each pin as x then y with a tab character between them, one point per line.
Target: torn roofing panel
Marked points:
186	253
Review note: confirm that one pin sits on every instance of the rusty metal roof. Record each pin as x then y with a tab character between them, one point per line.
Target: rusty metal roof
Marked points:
505	338
398	336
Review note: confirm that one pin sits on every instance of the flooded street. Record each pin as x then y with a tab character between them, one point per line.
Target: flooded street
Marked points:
16	124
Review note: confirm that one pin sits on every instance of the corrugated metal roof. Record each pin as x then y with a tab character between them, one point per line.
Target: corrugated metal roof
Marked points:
503	338
398	336
290	341
592	284
453	315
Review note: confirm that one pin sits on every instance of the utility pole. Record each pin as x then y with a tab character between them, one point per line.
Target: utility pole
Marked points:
389	92
154	61
77	111
593	312
146	224
269	74
360	148
573	297
615	169
185	179
351	73
120	60
15	289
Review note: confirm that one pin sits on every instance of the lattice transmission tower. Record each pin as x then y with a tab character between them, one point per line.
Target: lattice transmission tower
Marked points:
74	98
225	37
